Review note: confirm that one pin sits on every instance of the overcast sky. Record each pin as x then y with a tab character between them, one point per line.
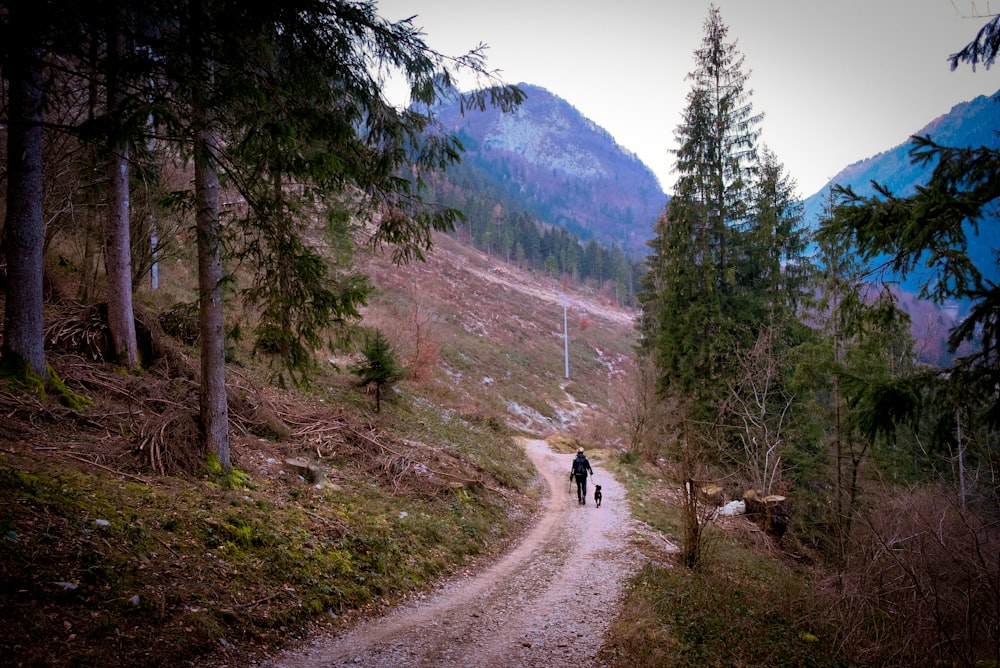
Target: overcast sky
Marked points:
837	80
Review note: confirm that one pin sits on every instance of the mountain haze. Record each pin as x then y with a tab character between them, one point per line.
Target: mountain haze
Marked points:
972	123
549	160
546	158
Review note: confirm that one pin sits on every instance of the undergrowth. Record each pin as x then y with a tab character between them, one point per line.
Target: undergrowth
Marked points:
676	617
746	605
105	569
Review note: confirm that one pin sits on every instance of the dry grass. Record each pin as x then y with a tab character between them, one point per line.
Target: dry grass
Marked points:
497	336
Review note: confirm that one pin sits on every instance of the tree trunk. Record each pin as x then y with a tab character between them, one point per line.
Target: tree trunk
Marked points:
769	512
838	446
213	401
93	231
214	406
691	547
24	336
121	319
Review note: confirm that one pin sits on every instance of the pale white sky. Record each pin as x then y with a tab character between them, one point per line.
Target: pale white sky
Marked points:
837	80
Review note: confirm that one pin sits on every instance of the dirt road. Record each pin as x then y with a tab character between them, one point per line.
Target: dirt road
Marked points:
546	603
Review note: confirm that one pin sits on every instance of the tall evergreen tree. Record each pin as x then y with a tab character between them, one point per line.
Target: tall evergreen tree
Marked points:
773	266
118	253
84	48
200	26
718	266
321	126
290	94
24	31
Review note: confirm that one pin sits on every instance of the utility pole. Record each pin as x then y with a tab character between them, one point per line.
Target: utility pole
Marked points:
565	338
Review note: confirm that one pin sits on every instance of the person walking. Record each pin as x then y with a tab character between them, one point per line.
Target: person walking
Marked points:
581	465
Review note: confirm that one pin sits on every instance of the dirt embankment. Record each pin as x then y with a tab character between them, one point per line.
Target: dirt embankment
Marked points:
546	603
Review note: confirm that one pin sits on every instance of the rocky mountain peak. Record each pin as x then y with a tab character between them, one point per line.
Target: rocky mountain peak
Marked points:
561	167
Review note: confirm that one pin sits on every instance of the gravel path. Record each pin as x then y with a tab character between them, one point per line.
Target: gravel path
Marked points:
546	603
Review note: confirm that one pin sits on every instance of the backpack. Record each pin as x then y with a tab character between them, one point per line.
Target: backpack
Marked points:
579	466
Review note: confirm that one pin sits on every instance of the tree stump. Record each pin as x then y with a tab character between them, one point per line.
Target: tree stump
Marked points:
712	495
769	512
308	470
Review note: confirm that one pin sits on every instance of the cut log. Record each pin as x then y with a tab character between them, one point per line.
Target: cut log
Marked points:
712	495
769	512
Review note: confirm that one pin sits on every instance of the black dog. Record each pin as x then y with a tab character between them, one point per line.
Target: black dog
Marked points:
597	495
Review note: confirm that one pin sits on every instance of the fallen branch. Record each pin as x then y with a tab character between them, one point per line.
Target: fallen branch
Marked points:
444	474
164	543
254	604
103	467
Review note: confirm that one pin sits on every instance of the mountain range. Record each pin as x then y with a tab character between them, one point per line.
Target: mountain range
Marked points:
969	124
546	159
550	161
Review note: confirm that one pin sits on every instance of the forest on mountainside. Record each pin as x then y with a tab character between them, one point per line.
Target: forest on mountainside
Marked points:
497	224
547	159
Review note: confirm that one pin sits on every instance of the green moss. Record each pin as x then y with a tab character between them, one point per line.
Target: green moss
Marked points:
53	494
17	372
231	479
66	396
237	479
212	465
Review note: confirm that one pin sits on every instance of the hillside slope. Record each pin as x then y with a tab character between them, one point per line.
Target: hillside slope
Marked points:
495	333
119	548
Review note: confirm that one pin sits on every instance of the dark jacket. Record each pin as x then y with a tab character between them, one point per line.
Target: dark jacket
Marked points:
581	465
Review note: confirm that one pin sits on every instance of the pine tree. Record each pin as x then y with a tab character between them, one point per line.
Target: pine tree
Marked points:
773	267
380	367
722	246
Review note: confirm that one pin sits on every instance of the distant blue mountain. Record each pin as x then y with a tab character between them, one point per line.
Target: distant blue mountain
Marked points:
969	124
973	123
546	158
